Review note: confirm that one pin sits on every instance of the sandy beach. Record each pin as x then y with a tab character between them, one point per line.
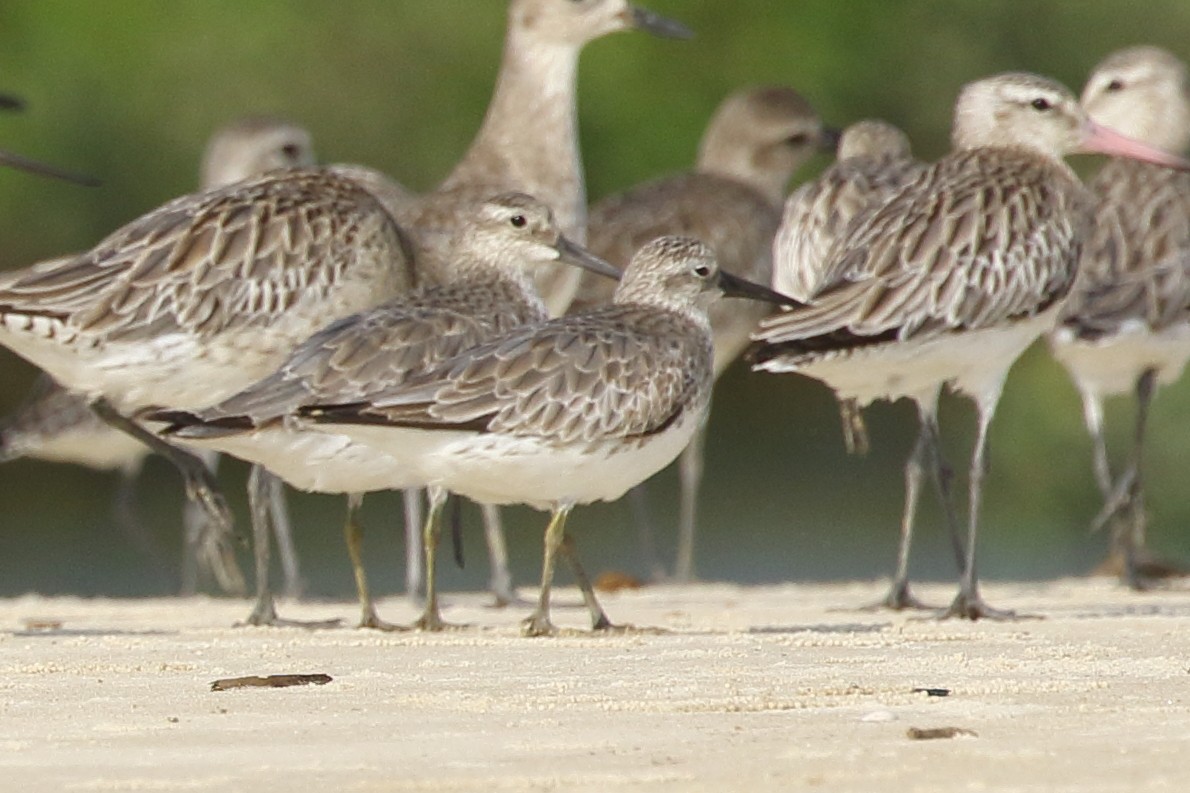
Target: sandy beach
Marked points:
745	688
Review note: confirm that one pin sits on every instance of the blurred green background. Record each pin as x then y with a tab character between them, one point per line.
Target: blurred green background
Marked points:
128	90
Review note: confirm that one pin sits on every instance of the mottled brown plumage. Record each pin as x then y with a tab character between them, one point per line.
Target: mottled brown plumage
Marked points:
873	162
1127	325
197	299
485	290
731	200
565	412
953	277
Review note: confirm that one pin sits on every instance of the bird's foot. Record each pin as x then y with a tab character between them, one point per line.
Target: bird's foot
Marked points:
971	606
899	598
267	617
538	624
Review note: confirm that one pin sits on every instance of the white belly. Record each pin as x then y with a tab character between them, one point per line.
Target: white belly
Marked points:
313	461
94	445
974	363
1112	364
496	469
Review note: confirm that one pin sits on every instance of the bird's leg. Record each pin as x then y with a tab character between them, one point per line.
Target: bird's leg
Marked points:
1093	416
206	549
855	430
599	620
353	532
690	470
1115	492
283	533
200	483
265	610
899	596
538	623
968	603
414	554
501	581
431	618
943	476
1141	568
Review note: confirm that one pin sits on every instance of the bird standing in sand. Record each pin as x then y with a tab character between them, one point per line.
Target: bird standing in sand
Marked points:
485	291
57	425
528	142
874	160
951	279
200	298
731	200
1126	328
577	409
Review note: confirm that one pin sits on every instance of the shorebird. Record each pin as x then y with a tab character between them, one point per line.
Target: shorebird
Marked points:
486	290
565	412
954	276
58	425
203	296
529	137
731	200
873	161
1127	326
528	142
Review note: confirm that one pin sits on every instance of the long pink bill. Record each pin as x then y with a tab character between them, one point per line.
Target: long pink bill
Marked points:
1098	139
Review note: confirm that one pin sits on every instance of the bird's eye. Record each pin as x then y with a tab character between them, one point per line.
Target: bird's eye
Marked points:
518	221
799	139
702	271
1115	85
291	151
1041	104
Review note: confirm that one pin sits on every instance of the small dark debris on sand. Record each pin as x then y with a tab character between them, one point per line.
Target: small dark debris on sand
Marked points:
272	681
933	692
936	733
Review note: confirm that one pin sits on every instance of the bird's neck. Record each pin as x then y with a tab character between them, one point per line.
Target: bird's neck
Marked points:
529	137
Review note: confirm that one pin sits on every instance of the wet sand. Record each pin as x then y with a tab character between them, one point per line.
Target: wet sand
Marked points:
751	689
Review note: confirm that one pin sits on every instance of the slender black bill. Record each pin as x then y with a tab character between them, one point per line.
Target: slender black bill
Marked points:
577	255
734	286
10	102
829	142
663	27
41	169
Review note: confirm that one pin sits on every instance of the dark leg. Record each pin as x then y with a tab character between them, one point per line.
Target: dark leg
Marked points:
690	470
538	623
354	533
1141	568
599	620
899	597
943	476
431	618
265	610
200	484
206	549
968	604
